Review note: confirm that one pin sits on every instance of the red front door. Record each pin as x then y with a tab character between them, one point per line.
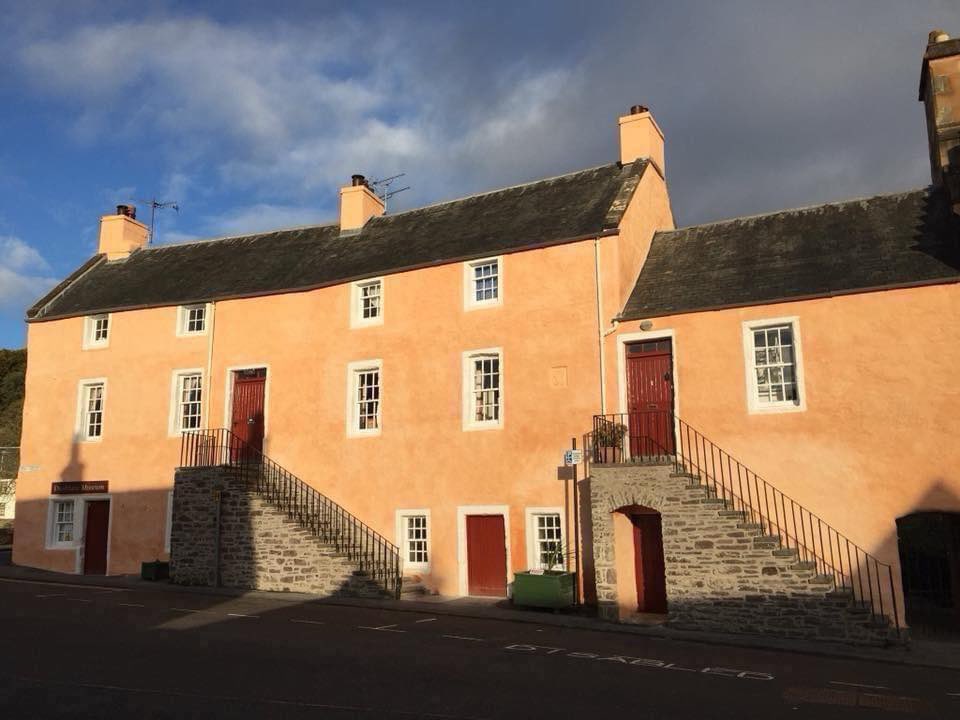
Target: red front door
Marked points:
95	537
248	394
648	555
486	556
650	397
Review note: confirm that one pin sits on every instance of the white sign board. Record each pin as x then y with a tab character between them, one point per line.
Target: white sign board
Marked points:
572	457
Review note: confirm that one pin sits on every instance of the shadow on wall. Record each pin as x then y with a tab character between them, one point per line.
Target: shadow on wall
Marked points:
927	541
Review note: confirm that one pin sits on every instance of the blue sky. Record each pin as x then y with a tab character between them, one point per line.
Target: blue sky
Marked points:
251	115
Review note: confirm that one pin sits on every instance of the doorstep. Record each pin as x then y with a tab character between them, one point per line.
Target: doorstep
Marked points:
925	653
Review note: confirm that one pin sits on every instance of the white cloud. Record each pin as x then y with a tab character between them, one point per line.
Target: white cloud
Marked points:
288	113
21	275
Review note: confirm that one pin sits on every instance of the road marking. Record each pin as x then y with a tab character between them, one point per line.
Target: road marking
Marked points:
953	694
80	600
463	637
850	684
131	604
641	662
382	628
208	612
307	622
50	595
427	620
255	617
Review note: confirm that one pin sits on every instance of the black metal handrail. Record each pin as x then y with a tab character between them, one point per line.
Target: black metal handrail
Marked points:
660	436
312	510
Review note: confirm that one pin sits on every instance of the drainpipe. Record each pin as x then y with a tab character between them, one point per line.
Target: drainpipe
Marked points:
209	390
600	333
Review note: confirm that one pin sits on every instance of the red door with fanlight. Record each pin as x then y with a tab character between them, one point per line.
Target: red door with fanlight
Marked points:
650	397
486	556
248	402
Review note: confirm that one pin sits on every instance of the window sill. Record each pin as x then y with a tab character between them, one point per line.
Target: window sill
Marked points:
352	433
62	546
483	305
776	409
471	427
358	324
98	346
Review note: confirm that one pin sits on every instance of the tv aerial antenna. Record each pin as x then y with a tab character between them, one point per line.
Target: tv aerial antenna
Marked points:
158	205
382	188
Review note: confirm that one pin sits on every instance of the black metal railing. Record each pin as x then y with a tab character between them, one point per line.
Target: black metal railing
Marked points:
324	518
660	436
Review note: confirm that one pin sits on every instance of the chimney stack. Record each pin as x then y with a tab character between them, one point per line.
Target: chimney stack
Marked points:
940	94
358	203
122	233
641	137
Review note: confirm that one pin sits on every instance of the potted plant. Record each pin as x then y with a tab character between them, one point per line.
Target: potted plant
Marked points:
608	442
551	586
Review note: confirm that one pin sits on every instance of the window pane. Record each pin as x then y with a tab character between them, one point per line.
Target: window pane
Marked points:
367	399
774	364
548	540
486	389
416	538
485	281
190	398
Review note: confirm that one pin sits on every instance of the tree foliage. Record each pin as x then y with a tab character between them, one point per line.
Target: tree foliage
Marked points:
13	366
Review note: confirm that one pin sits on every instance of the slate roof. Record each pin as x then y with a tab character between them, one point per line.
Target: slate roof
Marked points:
555	210
879	242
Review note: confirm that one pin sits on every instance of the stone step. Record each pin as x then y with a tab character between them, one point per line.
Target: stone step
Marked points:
821	580
805	565
733	514
750	526
786	553
767	539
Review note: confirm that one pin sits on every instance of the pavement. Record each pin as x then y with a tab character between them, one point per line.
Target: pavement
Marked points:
121	650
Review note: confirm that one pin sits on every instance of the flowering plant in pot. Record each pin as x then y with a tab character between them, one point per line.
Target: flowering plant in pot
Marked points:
608	442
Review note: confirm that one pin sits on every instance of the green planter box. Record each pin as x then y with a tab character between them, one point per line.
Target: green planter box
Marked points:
155	570
553	589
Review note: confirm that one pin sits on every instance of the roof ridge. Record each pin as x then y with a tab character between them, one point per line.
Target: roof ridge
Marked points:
786	211
219	238
502	189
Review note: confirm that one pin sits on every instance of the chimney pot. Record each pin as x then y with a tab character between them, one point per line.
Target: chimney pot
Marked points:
358	180
129	211
937	36
637	109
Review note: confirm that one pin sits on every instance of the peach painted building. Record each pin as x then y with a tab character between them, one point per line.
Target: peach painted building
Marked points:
426	370
418	368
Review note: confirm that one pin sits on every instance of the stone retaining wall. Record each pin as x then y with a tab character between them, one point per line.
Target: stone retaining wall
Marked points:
718	577
250	543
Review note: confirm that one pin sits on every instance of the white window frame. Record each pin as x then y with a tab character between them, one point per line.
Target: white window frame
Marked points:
469	423
80	426
168	526
52	542
754	406
356	303
470	301
353	420
174	427
402	516
89	328
183	320
533	552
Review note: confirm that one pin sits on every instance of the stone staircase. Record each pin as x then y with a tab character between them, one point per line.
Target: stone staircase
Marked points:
261	546
723	573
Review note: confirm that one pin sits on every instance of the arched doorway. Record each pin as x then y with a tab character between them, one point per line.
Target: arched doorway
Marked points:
648	563
929	546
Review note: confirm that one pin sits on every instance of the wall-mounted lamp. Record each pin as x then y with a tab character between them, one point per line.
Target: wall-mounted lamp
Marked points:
646	324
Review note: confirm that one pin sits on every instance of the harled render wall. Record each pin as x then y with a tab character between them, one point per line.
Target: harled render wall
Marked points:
546	327
877	439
